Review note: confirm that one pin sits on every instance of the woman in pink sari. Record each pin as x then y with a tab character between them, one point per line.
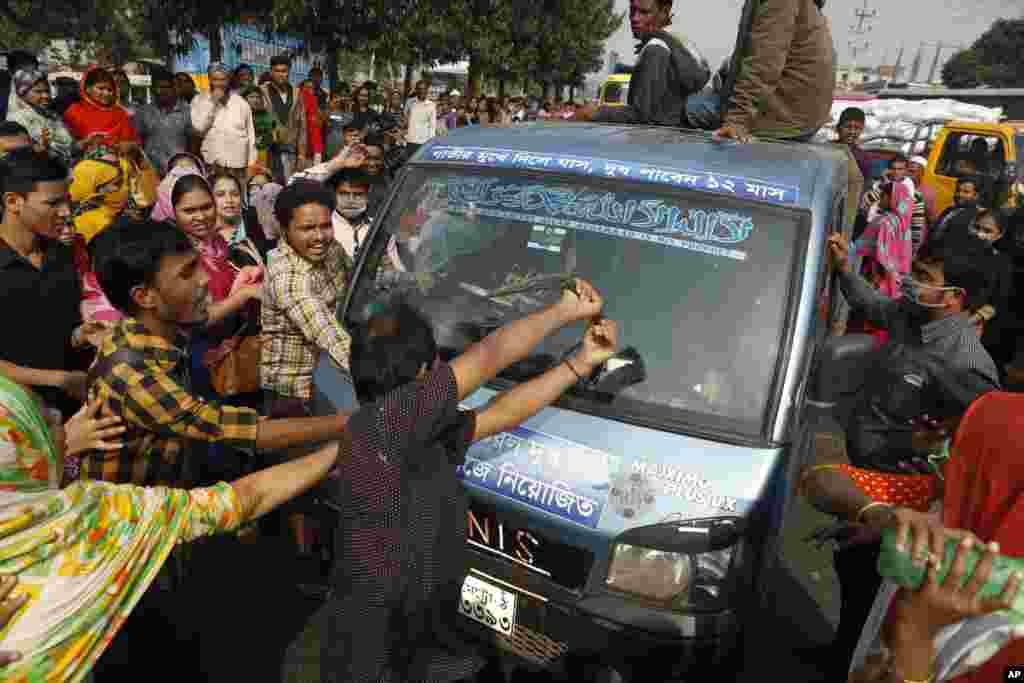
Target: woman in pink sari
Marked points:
884	252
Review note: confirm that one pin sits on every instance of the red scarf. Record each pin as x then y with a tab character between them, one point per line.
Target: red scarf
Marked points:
87	116
985	493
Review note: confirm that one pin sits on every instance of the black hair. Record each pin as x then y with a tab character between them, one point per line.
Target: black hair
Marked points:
851	114
161	75
22	169
11	129
963	265
19	59
376	140
98	76
189	183
973	180
886	189
300	194
280	60
245	67
390	350
354	176
898	158
351	125
128	255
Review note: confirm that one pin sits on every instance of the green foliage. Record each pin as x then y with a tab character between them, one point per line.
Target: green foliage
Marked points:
961	71
996	59
1000	53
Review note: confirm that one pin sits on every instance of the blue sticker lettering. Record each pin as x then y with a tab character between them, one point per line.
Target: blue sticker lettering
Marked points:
545	472
652	220
737	186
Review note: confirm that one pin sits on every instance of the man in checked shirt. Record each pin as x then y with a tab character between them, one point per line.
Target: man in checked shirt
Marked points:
306	280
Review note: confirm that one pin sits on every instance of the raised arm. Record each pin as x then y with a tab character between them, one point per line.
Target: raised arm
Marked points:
512	343
204	111
878	309
262	491
526	400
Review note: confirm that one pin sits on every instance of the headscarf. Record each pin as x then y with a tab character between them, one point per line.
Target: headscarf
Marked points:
213	253
885	248
164	208
87	116
984	493
34	118
186	155
263	201
24	81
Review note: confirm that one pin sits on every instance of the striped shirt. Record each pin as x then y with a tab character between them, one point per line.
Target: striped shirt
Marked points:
953	339
164	420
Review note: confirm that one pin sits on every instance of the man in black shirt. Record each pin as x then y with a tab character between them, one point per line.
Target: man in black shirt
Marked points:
40	290
401	536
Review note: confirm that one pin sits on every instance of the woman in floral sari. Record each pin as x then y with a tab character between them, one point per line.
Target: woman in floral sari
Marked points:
81	558
982	495
884	251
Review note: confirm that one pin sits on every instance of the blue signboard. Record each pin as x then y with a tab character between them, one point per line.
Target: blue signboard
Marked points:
543	471
697	179
250	45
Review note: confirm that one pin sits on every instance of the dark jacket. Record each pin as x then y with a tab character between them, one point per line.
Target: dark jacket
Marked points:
668	70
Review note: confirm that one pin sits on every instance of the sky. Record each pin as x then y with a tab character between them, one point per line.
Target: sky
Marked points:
898	21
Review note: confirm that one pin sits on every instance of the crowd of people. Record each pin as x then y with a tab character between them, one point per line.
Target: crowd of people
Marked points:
188	256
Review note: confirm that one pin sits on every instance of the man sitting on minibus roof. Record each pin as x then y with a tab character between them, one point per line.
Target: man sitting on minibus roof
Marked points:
668	70
785	78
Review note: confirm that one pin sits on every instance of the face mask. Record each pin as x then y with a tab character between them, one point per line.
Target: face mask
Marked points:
353	210
912	293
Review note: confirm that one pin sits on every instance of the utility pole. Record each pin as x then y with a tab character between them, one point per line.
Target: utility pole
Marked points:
916	66
857	45
899	64
935	62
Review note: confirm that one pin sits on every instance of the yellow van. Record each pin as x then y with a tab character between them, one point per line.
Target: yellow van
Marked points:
991	151
615	91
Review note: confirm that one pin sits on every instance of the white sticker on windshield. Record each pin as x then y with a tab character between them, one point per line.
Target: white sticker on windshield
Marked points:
547	238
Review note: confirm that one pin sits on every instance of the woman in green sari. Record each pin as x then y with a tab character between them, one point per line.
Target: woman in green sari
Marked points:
83	557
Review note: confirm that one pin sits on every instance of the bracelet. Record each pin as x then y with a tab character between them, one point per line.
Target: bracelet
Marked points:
578	377
860	513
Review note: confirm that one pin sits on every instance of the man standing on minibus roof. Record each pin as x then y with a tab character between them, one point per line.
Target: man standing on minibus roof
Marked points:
668	70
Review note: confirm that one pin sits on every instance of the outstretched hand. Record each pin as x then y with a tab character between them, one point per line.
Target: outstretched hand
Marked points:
84	432
600	342
9	606
582	301
921	614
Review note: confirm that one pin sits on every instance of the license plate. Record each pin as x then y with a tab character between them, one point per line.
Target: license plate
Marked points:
489	605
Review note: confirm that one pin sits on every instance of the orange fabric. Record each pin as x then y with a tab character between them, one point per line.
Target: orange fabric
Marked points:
914	491
313	132
85	117
985	493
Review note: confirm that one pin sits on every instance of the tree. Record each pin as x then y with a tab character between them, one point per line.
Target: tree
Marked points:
961	71
1000	52
996	59
111	25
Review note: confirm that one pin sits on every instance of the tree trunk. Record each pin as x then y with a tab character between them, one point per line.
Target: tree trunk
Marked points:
501	87
572	92
545	87
408	79
216	45
474	76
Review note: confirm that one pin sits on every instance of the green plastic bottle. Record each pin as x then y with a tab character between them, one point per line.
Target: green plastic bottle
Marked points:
899	567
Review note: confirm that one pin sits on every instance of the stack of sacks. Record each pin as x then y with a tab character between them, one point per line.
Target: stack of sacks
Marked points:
900	118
